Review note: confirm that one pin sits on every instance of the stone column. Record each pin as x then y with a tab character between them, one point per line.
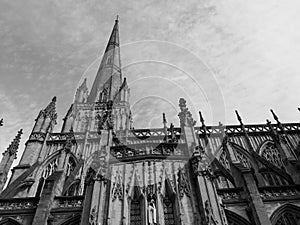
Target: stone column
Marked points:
47	198
256	205
86	211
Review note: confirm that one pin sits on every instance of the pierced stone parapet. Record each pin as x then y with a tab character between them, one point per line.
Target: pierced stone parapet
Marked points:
277	193
231	194
18	203
68	201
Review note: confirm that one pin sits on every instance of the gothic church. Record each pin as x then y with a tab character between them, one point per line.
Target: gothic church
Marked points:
99	170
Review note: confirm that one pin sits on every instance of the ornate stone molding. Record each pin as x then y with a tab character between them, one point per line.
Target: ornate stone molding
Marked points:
183	183
185	115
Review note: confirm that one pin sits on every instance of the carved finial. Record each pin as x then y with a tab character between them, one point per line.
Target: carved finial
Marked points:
298	109
238	117
164	119
117	18
275	116
1	122
182	103
268	122
185	115
14	145
201	118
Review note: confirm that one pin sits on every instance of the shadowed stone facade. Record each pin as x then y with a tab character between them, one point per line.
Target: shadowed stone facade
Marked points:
99	170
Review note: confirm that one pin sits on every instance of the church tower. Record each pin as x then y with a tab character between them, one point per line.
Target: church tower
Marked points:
98	170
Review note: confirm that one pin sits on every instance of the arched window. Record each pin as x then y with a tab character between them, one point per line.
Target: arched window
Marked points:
51	167
84	124
243	159
288	218
224	160
271	153
70	166
169	217
135	208
274	180
169	203
73	190
9	221
235	219
286	215
223	182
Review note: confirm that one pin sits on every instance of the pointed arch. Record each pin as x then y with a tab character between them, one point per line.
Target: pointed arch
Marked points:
235	219
287	214
136	201
136	206
269	151
73	188
243	155
74	220
223	172
169	203
9	221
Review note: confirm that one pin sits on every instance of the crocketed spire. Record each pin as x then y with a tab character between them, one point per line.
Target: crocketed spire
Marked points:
50	110
14	145
108	79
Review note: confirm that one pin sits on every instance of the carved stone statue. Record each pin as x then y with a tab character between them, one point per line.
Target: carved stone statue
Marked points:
151	213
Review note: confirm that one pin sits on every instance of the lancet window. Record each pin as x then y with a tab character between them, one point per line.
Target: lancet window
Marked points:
271	153
135	209
169	217
70	166
51	167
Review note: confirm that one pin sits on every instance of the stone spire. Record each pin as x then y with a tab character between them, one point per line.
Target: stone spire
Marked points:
50	110
82	92
108	79
14	145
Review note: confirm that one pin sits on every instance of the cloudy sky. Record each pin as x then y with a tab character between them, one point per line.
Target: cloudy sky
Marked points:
220	55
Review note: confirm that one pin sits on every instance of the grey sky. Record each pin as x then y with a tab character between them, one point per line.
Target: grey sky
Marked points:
250	49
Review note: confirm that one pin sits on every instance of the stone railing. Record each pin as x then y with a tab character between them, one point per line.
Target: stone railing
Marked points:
253	128
149	150
231	194
68	201
276	193
18	203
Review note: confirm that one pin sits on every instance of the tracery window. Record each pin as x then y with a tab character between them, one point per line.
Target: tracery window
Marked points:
274	180
84	124
73	189
51	167
243	159
135	209
223	182
169	217
135	212
70	166
288	218
224	160
271	153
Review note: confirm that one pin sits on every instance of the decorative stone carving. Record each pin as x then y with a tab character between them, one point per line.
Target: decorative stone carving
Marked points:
151	213
105	117
185	115
117	190
200	163
183	184
209	214
93	217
